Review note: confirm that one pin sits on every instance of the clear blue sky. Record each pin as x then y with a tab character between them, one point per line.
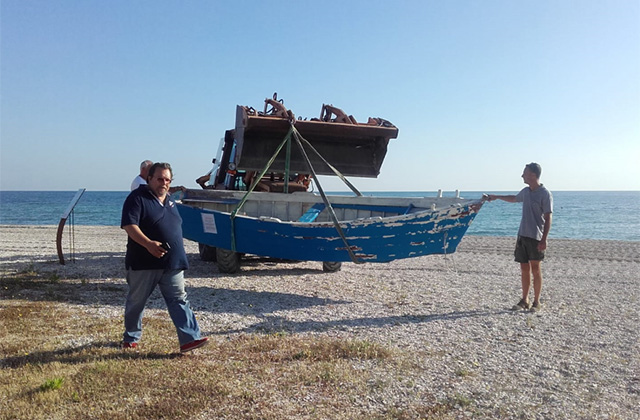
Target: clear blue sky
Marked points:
477	88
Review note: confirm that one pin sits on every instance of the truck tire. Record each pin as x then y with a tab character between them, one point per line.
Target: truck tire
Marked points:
331	267
228	261
207	253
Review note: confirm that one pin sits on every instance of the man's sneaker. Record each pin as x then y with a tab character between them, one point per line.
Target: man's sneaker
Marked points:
523	305
125	345
536	306
193	345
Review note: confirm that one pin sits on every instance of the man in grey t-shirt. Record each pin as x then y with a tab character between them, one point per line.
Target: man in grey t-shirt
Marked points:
537	207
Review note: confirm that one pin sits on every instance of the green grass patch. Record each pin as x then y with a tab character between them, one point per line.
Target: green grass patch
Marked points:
62	361
51	384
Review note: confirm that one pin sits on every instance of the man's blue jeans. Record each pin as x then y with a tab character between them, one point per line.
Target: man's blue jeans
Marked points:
171	282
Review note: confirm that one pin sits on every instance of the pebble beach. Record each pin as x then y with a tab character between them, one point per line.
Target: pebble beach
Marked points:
579	357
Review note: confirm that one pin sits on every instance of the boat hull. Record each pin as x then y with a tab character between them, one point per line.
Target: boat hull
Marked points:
374	239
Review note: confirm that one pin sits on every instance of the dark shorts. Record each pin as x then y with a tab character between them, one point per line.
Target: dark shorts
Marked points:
527	250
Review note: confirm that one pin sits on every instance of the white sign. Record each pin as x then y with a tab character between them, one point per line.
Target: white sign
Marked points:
209	223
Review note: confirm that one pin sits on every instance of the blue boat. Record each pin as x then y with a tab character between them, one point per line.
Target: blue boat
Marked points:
298	226
231	217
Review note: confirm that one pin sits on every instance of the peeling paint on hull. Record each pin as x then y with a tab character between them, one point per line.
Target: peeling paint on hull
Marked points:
371	239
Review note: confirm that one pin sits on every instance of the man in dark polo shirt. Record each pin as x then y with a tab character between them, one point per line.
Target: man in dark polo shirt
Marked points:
156	257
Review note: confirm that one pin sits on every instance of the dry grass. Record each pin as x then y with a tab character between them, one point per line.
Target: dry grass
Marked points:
59	361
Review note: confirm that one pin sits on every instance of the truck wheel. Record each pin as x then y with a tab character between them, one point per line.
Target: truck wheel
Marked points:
228	261
331	267
207	253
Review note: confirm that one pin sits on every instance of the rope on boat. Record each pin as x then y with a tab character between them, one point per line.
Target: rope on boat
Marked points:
287	138
446	256
337	172
299	139
332	213
287	162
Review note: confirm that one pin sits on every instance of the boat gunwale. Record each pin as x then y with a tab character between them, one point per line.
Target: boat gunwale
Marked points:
352	222
306	197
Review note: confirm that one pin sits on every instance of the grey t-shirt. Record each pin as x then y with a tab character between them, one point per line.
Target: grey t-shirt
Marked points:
534	205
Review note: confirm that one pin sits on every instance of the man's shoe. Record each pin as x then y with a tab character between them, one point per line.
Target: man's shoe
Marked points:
125	345
193	345
522	305
536	306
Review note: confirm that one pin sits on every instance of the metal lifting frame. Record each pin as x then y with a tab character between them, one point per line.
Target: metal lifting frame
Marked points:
299	140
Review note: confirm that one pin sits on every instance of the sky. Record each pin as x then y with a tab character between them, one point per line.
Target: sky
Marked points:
477	89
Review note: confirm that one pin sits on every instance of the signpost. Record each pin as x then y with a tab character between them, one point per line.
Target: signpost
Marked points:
63	219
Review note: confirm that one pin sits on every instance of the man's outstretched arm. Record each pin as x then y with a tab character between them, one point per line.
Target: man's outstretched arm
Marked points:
507	198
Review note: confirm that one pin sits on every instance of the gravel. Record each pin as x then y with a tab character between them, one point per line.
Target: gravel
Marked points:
579	357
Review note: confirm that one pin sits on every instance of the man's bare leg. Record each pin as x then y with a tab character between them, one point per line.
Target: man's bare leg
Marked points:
537	280
525	272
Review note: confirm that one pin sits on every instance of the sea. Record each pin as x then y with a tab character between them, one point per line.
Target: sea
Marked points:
609	215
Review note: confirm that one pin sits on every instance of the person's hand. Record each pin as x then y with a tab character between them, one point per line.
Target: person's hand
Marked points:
542	245
155	248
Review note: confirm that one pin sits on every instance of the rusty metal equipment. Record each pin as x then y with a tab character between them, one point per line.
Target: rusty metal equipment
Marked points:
355	149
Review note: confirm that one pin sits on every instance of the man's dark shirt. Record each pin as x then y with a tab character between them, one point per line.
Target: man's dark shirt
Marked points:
159	223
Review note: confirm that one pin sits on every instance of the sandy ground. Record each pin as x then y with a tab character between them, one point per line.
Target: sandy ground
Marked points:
577	358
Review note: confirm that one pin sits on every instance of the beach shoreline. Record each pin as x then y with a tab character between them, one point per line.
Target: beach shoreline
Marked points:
578	358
